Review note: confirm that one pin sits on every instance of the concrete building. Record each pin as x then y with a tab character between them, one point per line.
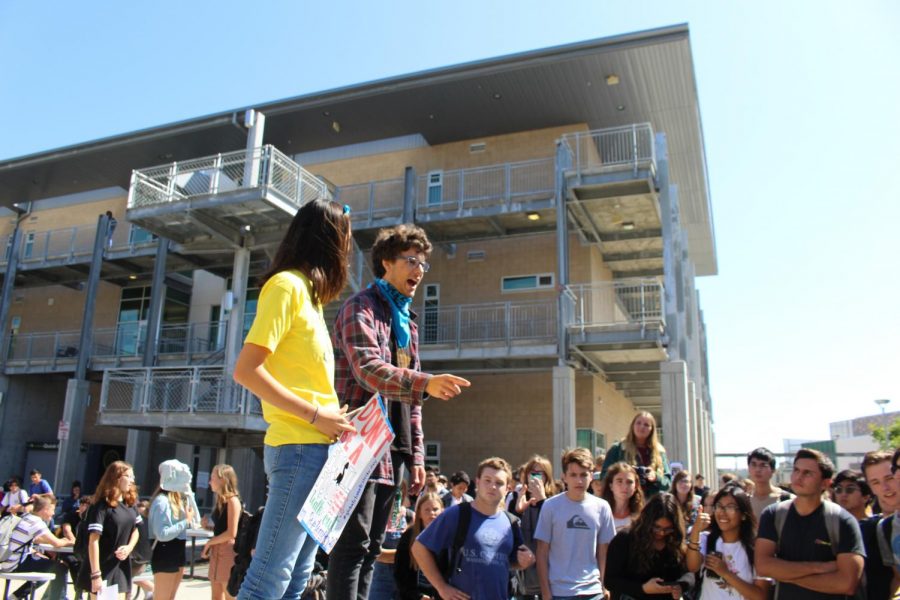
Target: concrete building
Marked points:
566	193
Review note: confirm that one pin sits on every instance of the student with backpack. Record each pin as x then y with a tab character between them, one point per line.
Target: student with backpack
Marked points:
411	583
722	544
18	536
484	541
881	581
812	548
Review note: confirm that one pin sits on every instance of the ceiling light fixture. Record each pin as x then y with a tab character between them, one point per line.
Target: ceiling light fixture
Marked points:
336	127
132	277
326	113
628	225
612	80
620	107
497	95
533	216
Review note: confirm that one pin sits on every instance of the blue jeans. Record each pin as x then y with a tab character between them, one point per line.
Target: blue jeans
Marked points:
382	586
285	554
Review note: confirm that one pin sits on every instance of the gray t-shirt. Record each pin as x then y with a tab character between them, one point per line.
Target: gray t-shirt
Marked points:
574	530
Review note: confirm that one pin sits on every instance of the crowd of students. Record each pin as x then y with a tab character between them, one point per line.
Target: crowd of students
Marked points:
828	536
115	535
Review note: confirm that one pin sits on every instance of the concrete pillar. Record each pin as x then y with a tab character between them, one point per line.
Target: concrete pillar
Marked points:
409	195
693	426
563	411
562	261
256	123
77	388
234	335
674	384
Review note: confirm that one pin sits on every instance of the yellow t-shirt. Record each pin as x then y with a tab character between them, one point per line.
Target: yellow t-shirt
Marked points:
293	329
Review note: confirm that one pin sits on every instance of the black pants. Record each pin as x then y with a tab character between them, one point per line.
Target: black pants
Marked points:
32	565
351	560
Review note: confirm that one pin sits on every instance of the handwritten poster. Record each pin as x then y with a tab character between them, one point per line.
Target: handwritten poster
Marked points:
350	463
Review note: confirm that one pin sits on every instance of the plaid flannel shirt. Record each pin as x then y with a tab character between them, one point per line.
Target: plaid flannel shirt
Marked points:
363	366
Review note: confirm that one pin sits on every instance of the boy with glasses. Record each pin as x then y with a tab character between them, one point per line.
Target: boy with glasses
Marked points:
376	351
851	491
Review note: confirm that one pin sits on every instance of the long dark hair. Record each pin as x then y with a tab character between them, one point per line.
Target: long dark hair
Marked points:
747	532
317	244
642	553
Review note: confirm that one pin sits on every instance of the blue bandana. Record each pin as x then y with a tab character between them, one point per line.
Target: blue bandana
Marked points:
400	312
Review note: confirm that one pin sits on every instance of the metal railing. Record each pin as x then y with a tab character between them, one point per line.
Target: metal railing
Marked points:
616	303
631	146
175	390
221	173
486	186
44	347
374	200
505	322
73	243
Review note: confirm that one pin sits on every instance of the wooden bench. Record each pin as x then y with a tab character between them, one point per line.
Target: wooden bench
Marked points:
24	577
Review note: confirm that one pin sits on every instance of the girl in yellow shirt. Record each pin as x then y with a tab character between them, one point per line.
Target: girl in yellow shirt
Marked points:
287	361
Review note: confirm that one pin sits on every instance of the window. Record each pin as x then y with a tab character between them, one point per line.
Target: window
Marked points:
526	283
29	245
431	316
590	439
139	235
433	454
435	187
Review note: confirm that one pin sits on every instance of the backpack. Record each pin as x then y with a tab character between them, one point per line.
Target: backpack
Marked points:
8	525
884	531
244	543
459	539
80	549
832	514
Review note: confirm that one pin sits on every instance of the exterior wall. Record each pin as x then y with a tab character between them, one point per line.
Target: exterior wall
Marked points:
513	412
207	292
63	217
60	308
513	147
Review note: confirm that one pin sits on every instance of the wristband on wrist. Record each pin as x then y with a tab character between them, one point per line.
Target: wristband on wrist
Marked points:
315	415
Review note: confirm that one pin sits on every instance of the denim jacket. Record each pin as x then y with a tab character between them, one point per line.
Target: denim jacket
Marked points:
163	526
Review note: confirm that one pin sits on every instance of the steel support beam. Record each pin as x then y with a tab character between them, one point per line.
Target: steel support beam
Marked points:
78	388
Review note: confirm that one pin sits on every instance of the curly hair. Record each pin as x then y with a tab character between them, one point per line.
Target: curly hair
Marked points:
642	553
391	241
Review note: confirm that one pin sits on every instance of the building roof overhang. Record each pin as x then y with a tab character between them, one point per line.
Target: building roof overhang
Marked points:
551	87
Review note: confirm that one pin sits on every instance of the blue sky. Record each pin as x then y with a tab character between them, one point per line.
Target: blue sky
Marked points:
799	102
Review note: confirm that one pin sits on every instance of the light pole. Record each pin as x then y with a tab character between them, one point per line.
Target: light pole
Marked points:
882	402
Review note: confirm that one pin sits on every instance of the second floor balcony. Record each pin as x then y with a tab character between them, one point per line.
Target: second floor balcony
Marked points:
196	397
618	321
227	197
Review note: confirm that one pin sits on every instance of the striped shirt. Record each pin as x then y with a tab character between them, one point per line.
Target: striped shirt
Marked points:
21	540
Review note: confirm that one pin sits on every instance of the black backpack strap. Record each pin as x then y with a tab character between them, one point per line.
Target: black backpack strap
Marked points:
516	525
459	538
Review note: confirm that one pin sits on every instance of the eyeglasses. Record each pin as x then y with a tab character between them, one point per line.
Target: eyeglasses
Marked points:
415	262
727	508
847	489
663	530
